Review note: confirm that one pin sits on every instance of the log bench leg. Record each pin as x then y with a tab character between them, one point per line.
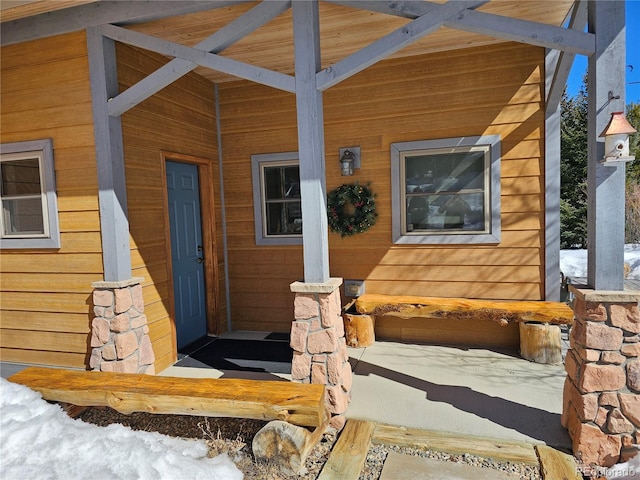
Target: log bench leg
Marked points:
359	330
540	343
286	444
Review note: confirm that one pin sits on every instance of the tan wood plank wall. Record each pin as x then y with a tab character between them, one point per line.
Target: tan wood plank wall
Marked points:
180	120
45	301
486	90
45	295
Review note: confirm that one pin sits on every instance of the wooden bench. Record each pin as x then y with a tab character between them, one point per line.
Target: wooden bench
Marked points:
287	405
539	321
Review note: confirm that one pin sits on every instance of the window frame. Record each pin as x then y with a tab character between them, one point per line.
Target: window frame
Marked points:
398	202
51	237
258	163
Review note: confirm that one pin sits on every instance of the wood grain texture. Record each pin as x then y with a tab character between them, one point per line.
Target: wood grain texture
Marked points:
350	451
555	465
45	303
300	404
178	124
497	91
505	450
406	306
444	331
541	343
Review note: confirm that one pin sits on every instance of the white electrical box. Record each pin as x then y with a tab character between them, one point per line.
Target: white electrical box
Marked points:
353	288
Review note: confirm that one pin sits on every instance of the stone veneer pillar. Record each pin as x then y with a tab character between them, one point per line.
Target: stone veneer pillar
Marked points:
319	346
601	399
119	331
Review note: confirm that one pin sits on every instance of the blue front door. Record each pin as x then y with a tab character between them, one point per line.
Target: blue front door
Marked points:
186	252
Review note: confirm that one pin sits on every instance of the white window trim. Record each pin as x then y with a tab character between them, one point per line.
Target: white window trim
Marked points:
397	205
259	205
50	204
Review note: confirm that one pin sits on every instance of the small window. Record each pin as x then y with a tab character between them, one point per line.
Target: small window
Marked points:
446	191
276	199
29	216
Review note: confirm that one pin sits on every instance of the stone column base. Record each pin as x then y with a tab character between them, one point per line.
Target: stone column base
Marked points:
319	345
119	331
601	400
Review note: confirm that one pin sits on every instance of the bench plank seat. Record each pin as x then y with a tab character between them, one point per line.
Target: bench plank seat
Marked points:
501	311
296	403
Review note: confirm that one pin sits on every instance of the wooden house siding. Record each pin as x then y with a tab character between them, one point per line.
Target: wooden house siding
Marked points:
179	122
45	295
480	91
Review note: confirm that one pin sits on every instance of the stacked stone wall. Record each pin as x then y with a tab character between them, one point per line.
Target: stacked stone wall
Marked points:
119	332
601	401
319	347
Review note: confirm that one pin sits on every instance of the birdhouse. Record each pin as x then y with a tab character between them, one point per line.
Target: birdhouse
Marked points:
616	139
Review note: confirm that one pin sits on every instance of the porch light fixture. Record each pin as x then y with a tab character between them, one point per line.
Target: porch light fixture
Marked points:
349	159
616	139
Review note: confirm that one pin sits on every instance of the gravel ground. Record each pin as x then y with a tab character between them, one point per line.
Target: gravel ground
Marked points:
233	436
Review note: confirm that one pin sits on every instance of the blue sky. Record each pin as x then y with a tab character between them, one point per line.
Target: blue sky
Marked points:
633	58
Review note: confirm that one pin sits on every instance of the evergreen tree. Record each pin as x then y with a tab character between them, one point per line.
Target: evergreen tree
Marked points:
573	170
633	168
632	193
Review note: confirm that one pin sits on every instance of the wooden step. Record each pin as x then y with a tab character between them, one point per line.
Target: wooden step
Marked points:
350	451
555	465
519	452
300	404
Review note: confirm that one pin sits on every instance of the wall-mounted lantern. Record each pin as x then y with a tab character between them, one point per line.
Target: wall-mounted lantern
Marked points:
616	139
349	159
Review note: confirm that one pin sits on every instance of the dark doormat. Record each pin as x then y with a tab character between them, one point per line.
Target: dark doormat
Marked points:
284	337
241	355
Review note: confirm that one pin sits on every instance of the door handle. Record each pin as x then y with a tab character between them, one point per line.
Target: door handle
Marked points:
200	260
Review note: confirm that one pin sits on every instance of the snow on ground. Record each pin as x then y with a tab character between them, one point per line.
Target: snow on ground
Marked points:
39	441
573	263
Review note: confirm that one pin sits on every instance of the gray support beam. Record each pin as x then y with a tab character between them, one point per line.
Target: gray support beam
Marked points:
506	28
391	43
552	160
605	184
315	241
223	38
112	194
98	13
557	67
214	62
223	209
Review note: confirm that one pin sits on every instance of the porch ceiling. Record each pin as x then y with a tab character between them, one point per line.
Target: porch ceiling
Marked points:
344	30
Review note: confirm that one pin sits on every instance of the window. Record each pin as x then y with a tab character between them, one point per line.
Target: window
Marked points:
276	199
29	216
446	191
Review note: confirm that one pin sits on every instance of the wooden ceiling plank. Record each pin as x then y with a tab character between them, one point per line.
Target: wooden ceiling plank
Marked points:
82	16
393	42
489	24
408	9
523	31
202	58
227	35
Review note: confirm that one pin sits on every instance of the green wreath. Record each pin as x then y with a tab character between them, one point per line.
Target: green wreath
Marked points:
351	209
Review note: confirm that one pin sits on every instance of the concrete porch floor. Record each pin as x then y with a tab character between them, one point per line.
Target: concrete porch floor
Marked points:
468	391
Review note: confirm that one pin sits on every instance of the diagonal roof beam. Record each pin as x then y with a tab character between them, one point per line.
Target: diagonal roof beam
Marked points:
98	13
223	38
564	61
507	28
200	57
429	21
